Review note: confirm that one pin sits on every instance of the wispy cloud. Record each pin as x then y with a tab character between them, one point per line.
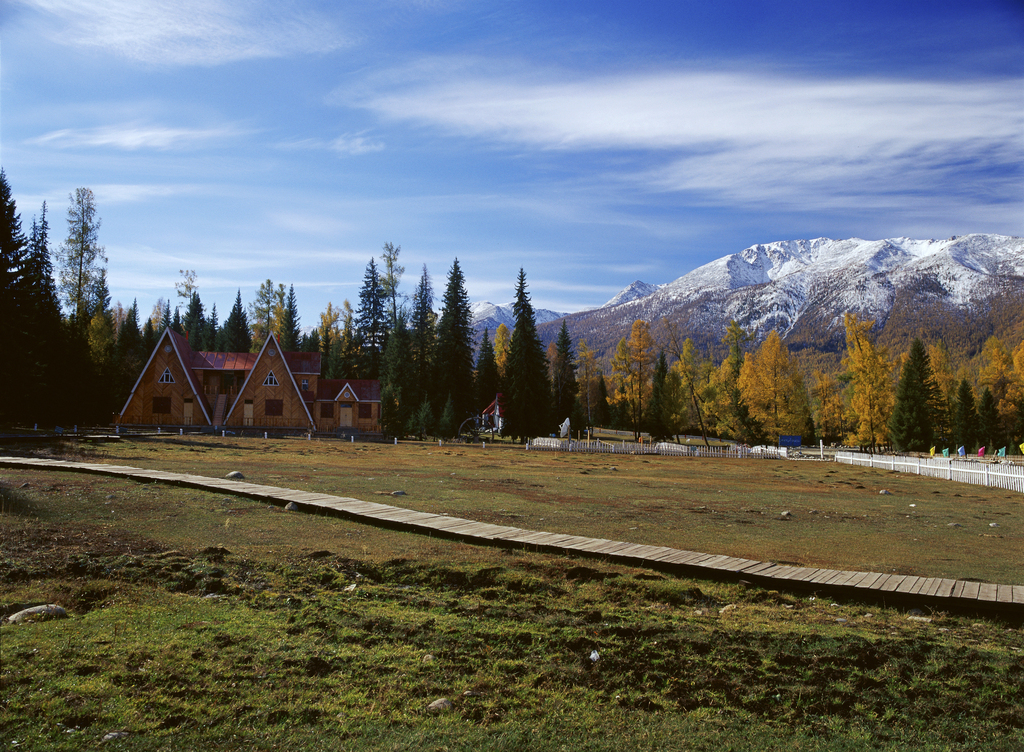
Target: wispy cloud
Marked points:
729	136
134	136
194	32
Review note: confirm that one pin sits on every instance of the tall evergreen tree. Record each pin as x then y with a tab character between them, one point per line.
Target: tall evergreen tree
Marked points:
910	426
371	322
129	355
211	332
564	387
601	412
527	407
235	334
290	331
13	247
395	378
194	322
988	421
486	375
965	417
424	338
656	423
455	347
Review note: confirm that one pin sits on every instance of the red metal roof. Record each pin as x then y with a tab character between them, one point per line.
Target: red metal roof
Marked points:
219	361
303	362
366	390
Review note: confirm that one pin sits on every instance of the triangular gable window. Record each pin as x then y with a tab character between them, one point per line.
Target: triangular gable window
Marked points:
166	377
271	380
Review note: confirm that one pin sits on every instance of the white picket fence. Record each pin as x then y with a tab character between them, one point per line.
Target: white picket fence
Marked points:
663	448
1006	475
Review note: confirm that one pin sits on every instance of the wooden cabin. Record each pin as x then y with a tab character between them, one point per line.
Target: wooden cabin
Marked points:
271	389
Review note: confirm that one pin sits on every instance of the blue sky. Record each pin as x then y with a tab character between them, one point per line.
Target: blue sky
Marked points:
590	143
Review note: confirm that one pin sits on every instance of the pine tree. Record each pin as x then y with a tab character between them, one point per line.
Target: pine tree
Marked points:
371	323
527	408
486	375
455	347
424	338
289	327
235	335
910	427
965	417
988	421
563	375
448	424
129	355
423	421
13	247
601	415
211	332
395	378
194	322
657	425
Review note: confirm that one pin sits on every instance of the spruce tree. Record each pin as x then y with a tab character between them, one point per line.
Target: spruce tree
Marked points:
564	387
527	407
13	246
486	375
235	334
424	338
395	379
371	323
455	347
988	421
910	426
290	331
211	332
129	355
193	323
965	417
656	424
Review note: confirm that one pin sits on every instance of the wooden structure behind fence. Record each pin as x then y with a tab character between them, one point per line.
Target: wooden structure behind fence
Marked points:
663	448
1004	475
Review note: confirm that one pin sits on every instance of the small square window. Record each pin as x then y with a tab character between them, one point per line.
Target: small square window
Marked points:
365	411
274	408
161	405
271	380
327	410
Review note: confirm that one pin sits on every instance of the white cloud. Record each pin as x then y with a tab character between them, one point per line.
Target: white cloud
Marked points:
122	193
133	136
729	136
193	32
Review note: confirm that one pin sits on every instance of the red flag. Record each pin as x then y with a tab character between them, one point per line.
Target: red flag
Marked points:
981	452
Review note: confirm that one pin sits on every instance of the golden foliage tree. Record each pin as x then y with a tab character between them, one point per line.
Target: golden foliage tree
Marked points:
773	388
633	366
871	382
502	341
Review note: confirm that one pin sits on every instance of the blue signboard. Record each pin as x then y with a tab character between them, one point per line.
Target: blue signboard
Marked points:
790	441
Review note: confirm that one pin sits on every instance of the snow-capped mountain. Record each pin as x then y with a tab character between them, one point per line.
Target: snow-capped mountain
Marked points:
802	288
635	291
489	316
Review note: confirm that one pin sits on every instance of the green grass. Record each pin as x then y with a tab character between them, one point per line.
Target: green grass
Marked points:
200	620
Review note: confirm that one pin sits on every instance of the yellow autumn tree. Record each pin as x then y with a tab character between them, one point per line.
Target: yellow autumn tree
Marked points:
828	396
632	368
871	383
588	376
773	388
998	375
501	344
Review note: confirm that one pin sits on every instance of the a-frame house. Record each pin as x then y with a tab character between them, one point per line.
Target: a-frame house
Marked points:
271	395
168	391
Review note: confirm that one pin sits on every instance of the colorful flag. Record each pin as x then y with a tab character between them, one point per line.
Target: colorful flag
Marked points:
1001	452
945	452
981	452
933	451
961	452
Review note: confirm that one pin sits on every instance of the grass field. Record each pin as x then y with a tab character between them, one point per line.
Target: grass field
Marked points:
216	622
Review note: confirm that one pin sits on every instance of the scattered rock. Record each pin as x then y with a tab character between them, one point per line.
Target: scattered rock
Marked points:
727	609
885	492
38	613
398	493
111	736
440	705
920	618
291	506
472	693
428	658
841	621
786	515
595	656
235	475
954	524
993	524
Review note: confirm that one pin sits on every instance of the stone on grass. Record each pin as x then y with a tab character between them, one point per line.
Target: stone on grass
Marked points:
235	475
111	736
727	609
885	492
785	515
38	613
440	705
398	493
291	506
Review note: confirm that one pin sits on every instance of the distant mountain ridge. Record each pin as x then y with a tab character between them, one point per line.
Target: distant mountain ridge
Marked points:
802	289
490	316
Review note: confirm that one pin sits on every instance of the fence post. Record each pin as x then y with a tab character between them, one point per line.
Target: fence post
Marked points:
986	475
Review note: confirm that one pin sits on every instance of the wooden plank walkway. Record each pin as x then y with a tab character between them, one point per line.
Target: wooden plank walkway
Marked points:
895	589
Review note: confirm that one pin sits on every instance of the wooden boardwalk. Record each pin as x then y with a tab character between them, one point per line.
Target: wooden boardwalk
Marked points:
893	589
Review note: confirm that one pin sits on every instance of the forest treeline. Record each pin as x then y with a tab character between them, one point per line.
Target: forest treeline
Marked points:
75	357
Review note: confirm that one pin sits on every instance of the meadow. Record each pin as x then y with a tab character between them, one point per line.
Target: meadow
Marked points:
218	622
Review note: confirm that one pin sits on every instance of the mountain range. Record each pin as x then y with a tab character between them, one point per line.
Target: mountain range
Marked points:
803	288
